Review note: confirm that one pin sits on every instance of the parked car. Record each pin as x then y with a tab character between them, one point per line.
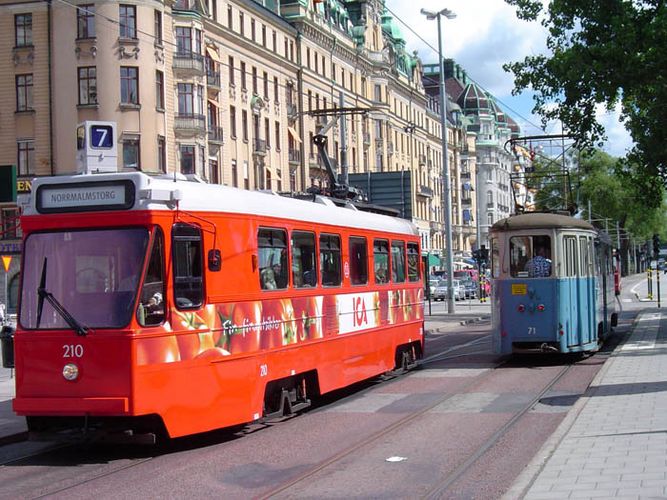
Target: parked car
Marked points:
440	292
470	289
432	284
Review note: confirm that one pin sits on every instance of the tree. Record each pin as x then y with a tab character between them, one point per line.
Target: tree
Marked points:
603	53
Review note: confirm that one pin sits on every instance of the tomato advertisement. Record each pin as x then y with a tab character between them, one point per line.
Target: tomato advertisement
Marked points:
219	330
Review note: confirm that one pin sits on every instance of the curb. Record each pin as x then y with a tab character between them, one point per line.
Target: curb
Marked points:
532	470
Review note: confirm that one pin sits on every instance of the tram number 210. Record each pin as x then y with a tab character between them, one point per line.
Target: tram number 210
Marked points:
72	351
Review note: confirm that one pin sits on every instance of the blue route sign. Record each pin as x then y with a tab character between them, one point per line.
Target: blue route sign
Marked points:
101	136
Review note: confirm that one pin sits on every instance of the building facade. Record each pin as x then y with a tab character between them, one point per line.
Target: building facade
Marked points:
231	92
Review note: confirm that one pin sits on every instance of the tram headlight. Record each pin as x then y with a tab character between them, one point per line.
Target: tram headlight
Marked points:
70	371
540	307
521	308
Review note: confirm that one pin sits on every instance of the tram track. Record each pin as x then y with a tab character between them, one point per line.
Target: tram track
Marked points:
375	437
438	490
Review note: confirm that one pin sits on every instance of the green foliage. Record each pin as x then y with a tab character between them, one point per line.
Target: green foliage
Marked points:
603	53
612	188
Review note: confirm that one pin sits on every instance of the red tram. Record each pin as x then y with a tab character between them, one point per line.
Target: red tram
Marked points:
150	305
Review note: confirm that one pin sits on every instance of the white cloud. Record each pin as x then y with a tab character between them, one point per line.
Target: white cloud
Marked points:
485	35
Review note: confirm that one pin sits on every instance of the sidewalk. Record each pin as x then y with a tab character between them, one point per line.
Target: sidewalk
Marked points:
613	442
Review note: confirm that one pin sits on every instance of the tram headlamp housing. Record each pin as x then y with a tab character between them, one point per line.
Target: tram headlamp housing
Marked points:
70	371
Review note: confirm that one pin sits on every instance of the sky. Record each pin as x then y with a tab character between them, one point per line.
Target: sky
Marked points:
484	35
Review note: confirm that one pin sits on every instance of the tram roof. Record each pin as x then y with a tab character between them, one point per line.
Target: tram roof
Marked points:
540	220
160	193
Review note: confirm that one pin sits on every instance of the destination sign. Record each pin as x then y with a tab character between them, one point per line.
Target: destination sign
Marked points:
85	197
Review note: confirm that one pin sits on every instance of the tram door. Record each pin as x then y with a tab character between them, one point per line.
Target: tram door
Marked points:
570	292
586	291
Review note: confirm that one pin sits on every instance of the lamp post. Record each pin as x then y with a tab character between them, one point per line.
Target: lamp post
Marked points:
446	202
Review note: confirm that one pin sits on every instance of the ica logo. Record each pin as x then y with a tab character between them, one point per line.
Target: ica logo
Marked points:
360	317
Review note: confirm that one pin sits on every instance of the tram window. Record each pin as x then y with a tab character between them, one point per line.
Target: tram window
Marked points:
530	256
273	266
358	261
413	262
584	250
398	262
304	272
381	261
330	259
187	258
151	301
571	256
495	258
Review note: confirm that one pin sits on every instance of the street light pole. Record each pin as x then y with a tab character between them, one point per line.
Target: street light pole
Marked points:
446	202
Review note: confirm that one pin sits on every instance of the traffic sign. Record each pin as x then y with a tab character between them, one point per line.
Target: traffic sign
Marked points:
101	136
6	261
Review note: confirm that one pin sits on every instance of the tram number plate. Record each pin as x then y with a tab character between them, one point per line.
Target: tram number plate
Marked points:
519	289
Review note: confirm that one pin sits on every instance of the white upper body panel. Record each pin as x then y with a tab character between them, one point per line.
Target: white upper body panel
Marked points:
165	193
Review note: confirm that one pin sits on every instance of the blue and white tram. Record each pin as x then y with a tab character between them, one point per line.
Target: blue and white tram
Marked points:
553	284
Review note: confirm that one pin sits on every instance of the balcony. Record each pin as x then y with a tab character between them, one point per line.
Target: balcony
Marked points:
465	175
425	191
259	147
215	134
213	80
294	156
466	201
189	62
189	124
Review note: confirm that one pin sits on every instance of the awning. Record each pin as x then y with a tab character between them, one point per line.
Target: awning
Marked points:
294	134
214	55
214	102
433	260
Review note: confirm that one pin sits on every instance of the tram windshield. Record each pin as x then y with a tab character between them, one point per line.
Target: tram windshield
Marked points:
93	274
530	256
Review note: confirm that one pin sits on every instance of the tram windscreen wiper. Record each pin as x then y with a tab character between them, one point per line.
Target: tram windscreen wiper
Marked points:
43	293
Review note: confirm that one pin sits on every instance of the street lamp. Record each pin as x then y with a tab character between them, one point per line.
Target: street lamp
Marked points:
446	202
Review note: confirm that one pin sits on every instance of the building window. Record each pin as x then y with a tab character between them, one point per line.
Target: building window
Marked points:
188	41
267	132
190	99
129	85
23	30
235	174
244	124
88	85
252	29
266	85
26	157
230	17
24	92
232	121
213	172
158	27
231	72
243	77
187	159
131	153
159	90
161	154
202	160
276	89
128	21
277	136
254	80
85	21
241	27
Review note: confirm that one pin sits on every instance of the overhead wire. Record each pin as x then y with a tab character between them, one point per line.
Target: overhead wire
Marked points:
437	52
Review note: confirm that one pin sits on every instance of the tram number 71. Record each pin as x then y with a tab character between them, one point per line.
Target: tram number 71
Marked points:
532	330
